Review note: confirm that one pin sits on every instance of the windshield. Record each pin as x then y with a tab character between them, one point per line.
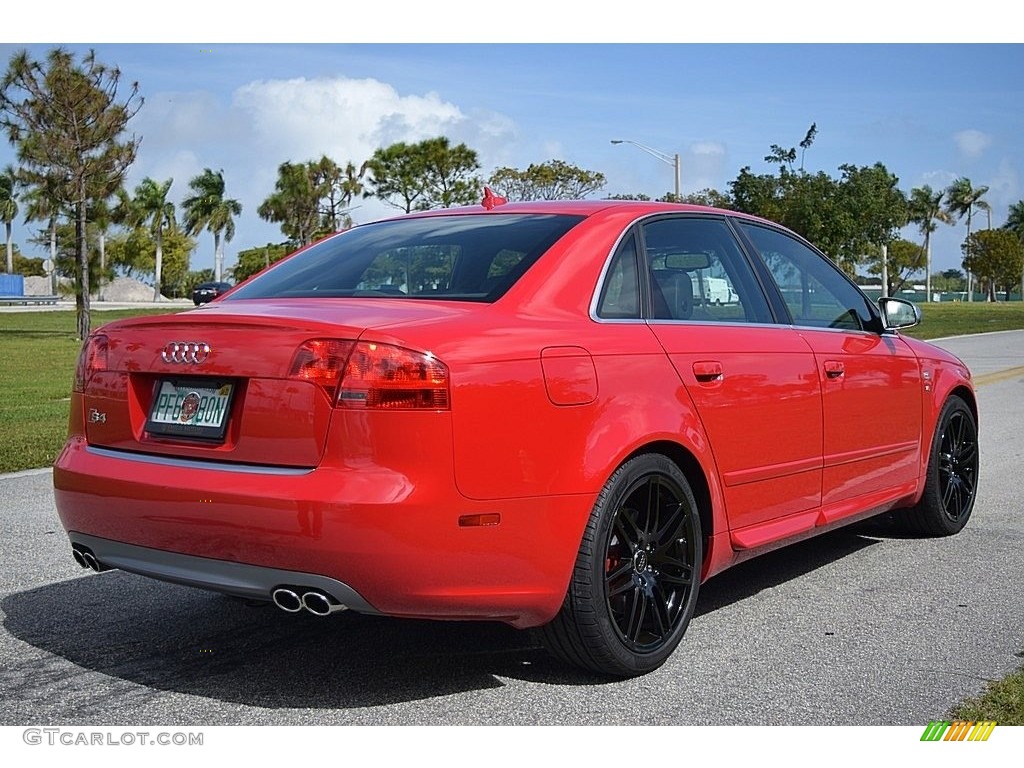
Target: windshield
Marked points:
465	258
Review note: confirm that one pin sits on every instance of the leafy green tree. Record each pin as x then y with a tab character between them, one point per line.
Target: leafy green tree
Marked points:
904	261
311	200
396	177
815	206
758	194
926	210
208	208
450	173
707	196
553	180
962	199
295	202
1015	219
252	260
151	209
133	252
786	157
1015	223
848	217
67	123
877	208
29	267
629	196
951	280
809	137
338	187
419	177
996	256
9	208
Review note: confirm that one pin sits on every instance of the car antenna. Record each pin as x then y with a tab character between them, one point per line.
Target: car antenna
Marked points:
491	200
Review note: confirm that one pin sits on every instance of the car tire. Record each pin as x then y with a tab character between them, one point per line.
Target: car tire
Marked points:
634	586
951	482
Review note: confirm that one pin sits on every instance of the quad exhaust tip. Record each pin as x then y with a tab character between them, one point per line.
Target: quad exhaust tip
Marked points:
86	559
287	600
313	600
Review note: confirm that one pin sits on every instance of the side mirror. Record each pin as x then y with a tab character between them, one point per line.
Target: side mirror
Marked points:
899	313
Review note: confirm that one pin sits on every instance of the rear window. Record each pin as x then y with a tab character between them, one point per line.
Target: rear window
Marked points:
464	258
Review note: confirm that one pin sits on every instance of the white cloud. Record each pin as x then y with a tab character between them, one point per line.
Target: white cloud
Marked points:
704	166
972	142
181	166
937	180
1005	188
707	148
348	119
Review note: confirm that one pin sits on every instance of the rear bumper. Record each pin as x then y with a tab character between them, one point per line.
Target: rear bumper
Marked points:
239	579
383	541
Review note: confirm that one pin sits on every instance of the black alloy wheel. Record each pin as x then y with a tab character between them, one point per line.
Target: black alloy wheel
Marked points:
951	483
637	574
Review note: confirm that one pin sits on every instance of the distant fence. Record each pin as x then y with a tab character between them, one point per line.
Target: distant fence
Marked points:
919	296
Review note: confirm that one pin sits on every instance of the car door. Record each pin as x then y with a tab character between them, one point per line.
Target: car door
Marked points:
870	379
753	381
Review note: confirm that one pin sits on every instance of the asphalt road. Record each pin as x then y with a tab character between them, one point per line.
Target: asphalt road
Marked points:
860	627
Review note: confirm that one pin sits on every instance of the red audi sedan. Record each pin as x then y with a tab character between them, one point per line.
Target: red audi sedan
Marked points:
564	415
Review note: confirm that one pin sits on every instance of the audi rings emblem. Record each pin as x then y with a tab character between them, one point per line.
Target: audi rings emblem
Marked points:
189	352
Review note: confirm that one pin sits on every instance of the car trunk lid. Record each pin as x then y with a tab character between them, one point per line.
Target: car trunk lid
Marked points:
215	383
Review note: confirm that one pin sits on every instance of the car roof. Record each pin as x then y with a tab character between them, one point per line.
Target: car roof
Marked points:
577	208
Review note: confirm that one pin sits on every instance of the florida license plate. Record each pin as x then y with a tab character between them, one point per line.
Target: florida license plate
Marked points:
191	408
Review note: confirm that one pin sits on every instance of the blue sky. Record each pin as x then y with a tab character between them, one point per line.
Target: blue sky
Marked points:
929	112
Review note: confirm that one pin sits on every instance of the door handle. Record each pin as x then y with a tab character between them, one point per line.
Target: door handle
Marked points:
834	369
707	370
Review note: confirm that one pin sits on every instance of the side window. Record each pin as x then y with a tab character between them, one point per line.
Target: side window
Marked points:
814	289
620	295
699	273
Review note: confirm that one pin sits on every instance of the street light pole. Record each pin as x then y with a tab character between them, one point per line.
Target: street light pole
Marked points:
672	160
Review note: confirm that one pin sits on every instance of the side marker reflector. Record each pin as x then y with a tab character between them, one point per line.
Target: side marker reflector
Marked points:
471	521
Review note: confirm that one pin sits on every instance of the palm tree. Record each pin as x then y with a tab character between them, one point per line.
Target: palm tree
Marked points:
962	198
340	187
9	209
102	214
151	206
43	205
1015	223
351	188
926	210
208	209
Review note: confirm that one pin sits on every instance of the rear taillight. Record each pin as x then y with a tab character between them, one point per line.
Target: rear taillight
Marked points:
92	358
383	376
373	376
321	361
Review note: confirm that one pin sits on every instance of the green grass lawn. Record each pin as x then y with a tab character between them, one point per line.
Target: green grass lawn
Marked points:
1002	702
38	352
957	318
